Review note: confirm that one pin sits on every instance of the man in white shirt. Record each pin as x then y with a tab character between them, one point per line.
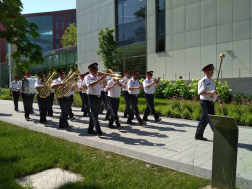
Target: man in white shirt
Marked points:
128	111
15	92
85	97
94	84
71	99
25	97
42	102
208	93
134	87
114	91
80	92
31	98
64	101
149	90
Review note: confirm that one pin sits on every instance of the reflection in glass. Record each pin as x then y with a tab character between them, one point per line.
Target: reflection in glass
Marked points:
134	10
160	26
120	14
74	18
57	41
160	6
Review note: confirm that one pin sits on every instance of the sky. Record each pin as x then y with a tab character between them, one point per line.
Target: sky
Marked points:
36	6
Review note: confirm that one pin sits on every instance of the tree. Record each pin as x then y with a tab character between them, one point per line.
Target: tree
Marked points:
70	36
140	14
108	48
16	30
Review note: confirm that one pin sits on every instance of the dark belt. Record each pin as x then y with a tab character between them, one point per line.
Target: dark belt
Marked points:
97	96
134	95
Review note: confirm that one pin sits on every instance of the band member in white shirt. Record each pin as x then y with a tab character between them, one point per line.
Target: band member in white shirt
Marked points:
149	87
80	92
134	87
64	101
114	91
42	102
15	92
25	97
85	97
94	84
207	92
128	111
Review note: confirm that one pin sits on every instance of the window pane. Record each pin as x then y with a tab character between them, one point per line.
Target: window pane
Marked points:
134	10
74	18
57	41
160	45
136	63
62	21
68	19
57	21
160	25
120	13
160	6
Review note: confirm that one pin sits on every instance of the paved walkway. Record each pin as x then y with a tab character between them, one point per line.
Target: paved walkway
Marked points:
170	144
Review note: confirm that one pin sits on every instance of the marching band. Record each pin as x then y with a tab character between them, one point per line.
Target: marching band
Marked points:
97	88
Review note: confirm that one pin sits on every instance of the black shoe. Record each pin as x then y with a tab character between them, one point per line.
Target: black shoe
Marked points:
112	126
16	110
32	112
92	132
51	115
159	120
119	128
72	118
130	122
61	127
69	128
146	120
106	119
85	115
45	123
142	123
200	138
101	113
101	134
28	118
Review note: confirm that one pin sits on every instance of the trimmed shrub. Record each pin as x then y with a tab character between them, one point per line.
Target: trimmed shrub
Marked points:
196	114
186	114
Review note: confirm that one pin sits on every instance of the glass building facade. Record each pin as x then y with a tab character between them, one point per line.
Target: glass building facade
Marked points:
45	30
131	34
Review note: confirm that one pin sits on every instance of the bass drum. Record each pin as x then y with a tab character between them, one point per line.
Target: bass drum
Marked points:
28	85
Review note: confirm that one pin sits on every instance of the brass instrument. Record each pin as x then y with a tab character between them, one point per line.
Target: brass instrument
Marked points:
70	80
44	92
109	72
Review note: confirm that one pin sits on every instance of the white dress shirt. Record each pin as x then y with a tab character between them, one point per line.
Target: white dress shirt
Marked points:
103	87
204	85
55	81
20	86
133	83
14	85
123	82
148	90
80	84
95	90
115	92
84	84
38	83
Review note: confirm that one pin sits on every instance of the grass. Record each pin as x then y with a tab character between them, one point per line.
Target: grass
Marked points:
24	152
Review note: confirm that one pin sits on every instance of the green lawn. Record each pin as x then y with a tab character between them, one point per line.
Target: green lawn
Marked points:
24	152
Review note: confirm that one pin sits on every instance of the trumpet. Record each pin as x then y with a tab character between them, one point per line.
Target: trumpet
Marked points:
107	73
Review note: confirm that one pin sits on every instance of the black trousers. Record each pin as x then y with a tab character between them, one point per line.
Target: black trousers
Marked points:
83	102
87	108
207	108
95	105
50	104
113	106
43	103
133	102
16	95
64	103
70	112
104	101
129	110
31	97
150	107
26	103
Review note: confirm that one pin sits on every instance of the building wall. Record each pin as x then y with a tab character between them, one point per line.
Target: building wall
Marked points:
92	15
197	32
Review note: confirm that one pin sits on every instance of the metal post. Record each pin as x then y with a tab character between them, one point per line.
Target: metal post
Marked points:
9	50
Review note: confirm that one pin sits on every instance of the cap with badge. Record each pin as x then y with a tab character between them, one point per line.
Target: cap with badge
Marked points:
61	70
25	73
149	73
208	67
126	72
135	72
41	74
16	77
93	66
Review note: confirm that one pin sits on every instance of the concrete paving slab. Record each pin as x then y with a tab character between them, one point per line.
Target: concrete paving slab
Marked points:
49	179
170	144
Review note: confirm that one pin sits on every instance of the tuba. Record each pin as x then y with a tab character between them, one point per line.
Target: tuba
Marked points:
69	80
43	93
